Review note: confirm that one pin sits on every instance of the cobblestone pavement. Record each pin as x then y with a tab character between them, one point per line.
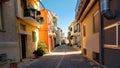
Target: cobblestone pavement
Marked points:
61	57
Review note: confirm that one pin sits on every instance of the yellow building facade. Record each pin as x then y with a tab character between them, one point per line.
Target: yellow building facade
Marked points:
28	24
71	28
89	19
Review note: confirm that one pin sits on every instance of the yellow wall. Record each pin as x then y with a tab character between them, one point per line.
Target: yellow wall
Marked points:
30	45
91	41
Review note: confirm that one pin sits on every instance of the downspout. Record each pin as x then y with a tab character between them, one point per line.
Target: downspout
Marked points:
108	14
41	4
16	7
105	8
101	38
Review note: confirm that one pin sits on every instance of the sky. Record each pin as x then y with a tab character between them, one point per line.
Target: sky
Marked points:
64	9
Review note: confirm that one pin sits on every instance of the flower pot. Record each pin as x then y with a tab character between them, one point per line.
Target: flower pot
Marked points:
13	65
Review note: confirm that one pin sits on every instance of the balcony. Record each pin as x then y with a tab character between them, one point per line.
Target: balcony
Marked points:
32	16
52	32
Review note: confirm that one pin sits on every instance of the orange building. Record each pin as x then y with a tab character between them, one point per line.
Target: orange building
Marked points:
46	33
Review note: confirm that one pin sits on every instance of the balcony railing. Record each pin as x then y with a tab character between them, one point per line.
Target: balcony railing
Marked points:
32	16
31	13
40	19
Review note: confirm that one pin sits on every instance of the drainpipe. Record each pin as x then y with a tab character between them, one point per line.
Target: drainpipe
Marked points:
105	8
41	4
16	7
108	14
101	38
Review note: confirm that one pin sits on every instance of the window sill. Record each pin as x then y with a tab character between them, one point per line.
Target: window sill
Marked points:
111	46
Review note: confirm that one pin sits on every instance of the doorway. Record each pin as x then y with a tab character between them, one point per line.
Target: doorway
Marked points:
23	44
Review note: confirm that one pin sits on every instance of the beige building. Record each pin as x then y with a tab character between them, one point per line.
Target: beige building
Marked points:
89	18
90	32
99	21
9	44
71	29
19	35
75	34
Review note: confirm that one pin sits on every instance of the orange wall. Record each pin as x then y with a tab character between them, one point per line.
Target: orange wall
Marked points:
43	31
43	36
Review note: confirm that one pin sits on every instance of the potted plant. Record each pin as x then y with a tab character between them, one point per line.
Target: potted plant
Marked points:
13	63
41	50
38	52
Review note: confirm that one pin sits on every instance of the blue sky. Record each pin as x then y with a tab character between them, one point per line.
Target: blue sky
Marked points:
64	9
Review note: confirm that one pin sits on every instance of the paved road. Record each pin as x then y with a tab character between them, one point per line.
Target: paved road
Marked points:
62	57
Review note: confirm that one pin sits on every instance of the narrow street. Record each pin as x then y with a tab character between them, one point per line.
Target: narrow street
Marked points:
35	33
62	57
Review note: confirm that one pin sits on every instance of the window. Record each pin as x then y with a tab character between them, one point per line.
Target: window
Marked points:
78	28
75	29
96	22
84	30
34	36
110	36
23	3
119	35
1	25
22	27
70	28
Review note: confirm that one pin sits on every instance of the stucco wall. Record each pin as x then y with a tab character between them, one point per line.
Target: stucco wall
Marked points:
9	36
91	41
43	31
111	53
9	22
115	8
30	45
112	57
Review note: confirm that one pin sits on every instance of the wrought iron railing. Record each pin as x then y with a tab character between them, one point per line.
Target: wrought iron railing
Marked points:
34	14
